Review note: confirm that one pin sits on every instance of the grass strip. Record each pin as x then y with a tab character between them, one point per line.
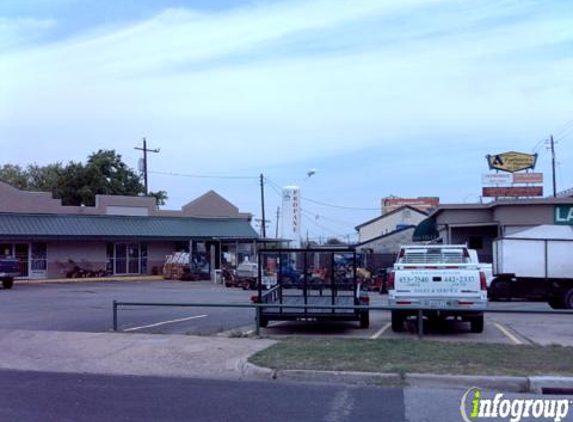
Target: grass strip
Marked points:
412	356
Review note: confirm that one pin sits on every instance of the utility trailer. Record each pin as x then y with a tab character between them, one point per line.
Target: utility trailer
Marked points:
322	277
536	262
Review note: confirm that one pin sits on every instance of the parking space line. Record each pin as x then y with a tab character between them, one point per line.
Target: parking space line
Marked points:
507	333
378	333
157	324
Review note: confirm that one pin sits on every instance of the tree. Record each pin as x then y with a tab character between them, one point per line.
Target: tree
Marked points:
333	241
76	183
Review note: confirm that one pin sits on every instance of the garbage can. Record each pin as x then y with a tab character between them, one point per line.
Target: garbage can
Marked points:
217	276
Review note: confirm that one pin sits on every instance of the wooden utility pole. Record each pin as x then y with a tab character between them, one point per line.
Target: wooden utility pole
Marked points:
263	206
552	143
277	223
145	151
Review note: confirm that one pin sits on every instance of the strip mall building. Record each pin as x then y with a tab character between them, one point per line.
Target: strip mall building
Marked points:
120	235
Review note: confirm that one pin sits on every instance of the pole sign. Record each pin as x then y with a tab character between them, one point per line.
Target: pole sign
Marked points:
496	179
564	215
527	177
512	191
510	178
511	161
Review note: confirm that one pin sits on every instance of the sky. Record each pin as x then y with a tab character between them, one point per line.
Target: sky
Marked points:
381	97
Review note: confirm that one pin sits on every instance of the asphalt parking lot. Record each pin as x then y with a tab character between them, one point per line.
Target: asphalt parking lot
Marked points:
87	307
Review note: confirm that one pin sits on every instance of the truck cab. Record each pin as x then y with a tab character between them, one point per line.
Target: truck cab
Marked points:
442	280
9	268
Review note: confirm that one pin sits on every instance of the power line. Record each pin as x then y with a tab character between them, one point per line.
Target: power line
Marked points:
204	176
325	204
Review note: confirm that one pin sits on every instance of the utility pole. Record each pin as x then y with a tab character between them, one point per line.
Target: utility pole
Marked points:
263	205
145	151
277	223
552	143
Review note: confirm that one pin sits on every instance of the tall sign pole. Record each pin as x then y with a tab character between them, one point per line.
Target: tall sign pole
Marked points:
145	151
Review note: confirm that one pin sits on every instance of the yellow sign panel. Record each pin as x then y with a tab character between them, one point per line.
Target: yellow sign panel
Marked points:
512	161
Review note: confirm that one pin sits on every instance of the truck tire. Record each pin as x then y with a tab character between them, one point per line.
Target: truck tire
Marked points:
476	324
568	299
500	290
555	303
364	320
7	282
397	321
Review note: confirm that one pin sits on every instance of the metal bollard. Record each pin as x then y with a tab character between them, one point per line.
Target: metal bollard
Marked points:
114	315
258	321
420	324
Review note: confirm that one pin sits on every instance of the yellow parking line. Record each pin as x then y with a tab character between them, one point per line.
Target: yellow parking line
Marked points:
378	333
508	333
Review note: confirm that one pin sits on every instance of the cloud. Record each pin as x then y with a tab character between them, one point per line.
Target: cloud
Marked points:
267	84
17	31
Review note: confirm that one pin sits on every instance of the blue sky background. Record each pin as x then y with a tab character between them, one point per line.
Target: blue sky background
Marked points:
381	97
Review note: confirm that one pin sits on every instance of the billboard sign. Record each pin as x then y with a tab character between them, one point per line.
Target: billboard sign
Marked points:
511	161
564	215
423	203
512	191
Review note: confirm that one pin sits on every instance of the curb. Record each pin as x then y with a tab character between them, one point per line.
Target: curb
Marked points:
538	384
88	279
503	383
534	384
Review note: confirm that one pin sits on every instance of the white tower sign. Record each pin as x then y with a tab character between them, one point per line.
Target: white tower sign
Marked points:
291	215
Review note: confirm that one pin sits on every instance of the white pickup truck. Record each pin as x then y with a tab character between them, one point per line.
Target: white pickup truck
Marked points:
442	279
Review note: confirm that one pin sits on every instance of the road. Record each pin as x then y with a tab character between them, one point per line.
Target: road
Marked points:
87	307
45	397
42	397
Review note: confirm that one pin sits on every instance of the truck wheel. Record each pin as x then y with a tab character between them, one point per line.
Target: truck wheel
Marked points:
264	322
501	290
397	321
7	282
555	303
568	299
364	320
476	324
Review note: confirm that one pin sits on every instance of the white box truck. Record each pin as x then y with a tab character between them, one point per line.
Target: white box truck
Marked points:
535	262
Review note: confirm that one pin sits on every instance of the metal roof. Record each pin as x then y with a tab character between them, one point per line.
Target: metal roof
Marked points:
16	225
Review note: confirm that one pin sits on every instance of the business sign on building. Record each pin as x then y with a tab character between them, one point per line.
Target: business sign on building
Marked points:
512	191
421	203
511	178
564	214
511	161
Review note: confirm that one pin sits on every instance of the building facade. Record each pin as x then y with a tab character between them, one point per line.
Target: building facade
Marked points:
120	235
478	225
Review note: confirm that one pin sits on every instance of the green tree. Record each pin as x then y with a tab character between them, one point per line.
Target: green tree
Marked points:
75	183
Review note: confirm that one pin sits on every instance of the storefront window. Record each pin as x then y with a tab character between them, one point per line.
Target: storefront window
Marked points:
39	257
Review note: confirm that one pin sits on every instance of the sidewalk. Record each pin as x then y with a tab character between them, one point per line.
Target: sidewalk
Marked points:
127	354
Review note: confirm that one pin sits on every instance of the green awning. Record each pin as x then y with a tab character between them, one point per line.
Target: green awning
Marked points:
426	231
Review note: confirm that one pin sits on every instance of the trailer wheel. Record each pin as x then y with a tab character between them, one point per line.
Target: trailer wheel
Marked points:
264	322
364	320
7	282
476	324
397	321
568	299
500	290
